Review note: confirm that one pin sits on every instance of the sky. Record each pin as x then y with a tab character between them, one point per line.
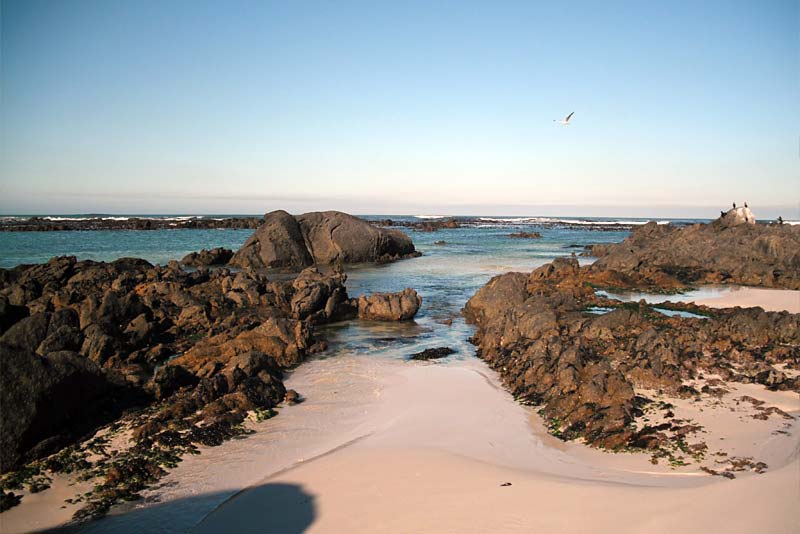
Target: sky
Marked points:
681	108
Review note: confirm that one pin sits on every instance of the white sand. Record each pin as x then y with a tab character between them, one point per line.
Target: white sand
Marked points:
383	445
449	439
747	297
419	490
45	509
392	446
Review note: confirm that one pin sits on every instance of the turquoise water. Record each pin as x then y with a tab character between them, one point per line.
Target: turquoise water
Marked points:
445	275
488	240
156	246
599	310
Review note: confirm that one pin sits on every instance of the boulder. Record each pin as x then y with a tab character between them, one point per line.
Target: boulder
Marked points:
329	237
10	314
319	297
399	306
45	401
206	258
27	334
737	216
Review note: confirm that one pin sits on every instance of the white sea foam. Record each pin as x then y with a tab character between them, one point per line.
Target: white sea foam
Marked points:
553	220
114	218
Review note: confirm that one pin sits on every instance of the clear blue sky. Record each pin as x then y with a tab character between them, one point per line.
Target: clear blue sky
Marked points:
400	107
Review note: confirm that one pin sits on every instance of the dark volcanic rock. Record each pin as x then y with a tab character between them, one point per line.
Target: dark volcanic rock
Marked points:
83	340
329	237
749	254
428	225
48	401
583	368
278	242
433	354
525	235
10	314
399	306
206	258
320	297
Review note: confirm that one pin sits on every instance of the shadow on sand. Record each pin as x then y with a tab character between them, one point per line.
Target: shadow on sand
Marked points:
267	508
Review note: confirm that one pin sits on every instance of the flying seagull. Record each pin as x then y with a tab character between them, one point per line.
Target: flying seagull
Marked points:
565	122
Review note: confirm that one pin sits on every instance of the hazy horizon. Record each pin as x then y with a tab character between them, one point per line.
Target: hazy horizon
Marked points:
637	212
243	107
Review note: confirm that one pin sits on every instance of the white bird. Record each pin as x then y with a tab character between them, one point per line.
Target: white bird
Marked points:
565	122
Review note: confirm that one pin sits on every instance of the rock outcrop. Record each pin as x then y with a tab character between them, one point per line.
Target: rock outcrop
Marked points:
584	369
80	335
330	237
736	217
525	235
176	358
47	400
715	253
400	306
207	258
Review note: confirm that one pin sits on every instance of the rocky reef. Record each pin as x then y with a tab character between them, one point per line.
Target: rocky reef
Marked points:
720	252
107	222
165	357
525	235
583	357
331	237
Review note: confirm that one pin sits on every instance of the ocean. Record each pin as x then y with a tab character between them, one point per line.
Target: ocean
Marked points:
446	275
487	238
343	383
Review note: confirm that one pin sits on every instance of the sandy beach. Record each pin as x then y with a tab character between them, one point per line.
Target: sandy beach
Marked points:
768	299
387	445
449	443
399	267
447	437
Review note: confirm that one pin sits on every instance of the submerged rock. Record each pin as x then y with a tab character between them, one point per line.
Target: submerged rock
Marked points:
330	237
433	354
